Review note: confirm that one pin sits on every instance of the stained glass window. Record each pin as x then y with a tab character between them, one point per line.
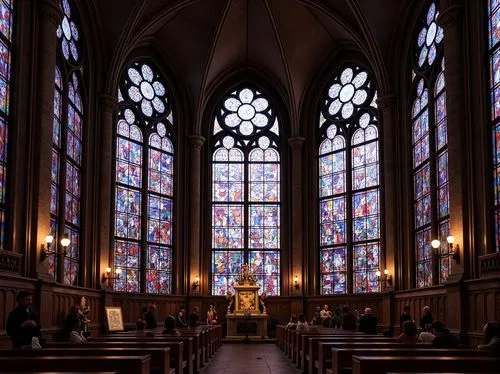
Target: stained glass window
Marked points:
430	152
349	179
6	29
144	191
67	140
246	191
494	68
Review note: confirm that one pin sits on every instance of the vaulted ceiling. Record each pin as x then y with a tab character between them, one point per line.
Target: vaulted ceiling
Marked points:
289	40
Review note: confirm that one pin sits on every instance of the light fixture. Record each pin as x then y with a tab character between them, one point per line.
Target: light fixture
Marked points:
45	249
296	282
107	274
454	252
387	278
196	282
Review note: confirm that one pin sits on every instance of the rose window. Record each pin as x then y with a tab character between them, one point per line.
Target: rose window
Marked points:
68	34
246	112
348	93
429	38
146	90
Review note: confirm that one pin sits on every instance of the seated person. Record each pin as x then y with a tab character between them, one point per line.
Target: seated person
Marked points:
302	325
23	323
211	315
150	318
492	336
292	325
72	319
426	336
325	312
76	334
349	320
179	319
368	323
170	327
194	318
317	316
443	339
426	318
405	316
409	334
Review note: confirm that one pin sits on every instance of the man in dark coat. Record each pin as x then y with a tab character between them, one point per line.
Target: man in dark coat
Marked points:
23	323
150	318
368	323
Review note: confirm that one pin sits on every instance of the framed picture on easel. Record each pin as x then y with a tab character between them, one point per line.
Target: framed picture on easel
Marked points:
114	318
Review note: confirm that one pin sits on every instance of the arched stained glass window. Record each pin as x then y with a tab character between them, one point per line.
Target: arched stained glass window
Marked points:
245	191
67	141
349	179
6	43
144	191
494	67
430	152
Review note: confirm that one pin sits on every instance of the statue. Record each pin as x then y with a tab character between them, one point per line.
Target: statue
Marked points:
230	299
246	278
84	310
262	307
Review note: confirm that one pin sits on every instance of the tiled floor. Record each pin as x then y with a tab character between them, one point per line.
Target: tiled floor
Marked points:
249	359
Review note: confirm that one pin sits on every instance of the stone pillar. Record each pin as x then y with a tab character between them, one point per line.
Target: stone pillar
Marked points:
194	232
49	18
391	194
107	107
459	160
297	259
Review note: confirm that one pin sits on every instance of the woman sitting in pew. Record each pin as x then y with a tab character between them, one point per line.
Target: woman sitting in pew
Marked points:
426	336
492	336
409	334
302	325
443	339
169	327
76	334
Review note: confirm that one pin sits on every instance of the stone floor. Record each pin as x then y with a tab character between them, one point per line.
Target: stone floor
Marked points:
249	359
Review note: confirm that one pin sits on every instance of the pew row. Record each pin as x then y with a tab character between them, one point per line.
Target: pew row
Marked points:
412	364
120	364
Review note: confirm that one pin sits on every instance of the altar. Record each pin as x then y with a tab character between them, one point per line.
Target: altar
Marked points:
249	317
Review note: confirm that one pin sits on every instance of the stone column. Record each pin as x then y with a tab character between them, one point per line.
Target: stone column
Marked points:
459	160
194	232
107	107
49	18
297	259
391	193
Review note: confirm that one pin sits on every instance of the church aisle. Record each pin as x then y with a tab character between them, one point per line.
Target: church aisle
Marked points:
249	359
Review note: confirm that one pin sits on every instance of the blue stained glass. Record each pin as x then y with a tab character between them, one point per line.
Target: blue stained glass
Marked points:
159	270
226	267
160	220
366	259
333	270
127	212
266	266
127	258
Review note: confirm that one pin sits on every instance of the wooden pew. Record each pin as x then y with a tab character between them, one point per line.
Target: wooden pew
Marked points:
160	357
413	364
324	360
342	357
176	349
121	364
303	347
188	354
313	345
65	372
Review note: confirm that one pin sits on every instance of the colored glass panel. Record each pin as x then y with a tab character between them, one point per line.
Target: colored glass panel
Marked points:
6	18
366	263
226	268
264	231
424	258
333	270
128	213
159	270
266	266
161	172
159	220
54	183
333	221
72	258
127	258
51	258
72	208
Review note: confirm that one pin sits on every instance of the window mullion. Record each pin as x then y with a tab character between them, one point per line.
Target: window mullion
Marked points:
144	211
349	216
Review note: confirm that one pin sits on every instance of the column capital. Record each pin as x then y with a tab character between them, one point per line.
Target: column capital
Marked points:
450	15
196	141
386	102
107	101
50	10
296	142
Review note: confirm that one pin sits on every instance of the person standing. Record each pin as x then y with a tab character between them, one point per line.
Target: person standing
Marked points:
194	317
426	318
23	323
405	316
349	321
179	319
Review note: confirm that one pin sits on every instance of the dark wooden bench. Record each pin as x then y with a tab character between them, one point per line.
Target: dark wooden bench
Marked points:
188	354
160	357
412	364
176	349
64	372
312	354
121	364
342	357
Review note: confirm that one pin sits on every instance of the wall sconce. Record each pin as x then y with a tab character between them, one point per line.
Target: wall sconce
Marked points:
453	252
107	274
296	282
387	277
49	239
45	250
196	282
